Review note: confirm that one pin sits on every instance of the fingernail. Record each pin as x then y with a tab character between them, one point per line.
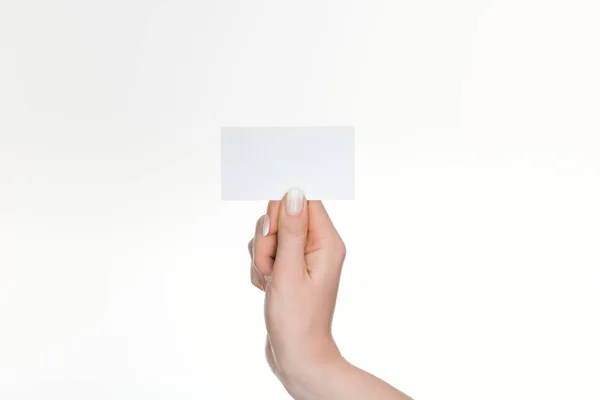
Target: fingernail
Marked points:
266	223
294	201
253	251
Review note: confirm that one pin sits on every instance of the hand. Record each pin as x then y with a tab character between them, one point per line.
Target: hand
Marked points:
298	257
297	260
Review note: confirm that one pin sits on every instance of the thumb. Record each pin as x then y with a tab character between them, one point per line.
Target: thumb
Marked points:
291	235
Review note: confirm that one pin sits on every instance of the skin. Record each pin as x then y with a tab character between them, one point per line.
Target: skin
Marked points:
298	266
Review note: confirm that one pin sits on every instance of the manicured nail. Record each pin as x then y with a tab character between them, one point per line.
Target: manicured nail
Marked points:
253	251
266	223
294	201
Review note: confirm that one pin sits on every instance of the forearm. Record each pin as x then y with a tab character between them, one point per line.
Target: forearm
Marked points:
340	380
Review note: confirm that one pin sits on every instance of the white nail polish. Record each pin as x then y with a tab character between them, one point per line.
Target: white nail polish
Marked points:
294	201
266	223
253	251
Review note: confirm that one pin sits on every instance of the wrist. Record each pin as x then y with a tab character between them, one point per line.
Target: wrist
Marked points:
310	381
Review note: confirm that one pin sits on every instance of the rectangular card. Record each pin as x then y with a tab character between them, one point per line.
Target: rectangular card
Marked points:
263	163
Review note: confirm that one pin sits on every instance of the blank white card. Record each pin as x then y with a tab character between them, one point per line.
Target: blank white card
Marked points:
263	163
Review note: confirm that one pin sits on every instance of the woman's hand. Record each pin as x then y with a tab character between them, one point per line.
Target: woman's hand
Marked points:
297	261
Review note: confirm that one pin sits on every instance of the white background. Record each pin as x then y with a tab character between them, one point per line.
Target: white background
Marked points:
473	244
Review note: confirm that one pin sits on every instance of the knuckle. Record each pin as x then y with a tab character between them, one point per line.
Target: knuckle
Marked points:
259	264
340	250
257	285
295	232
255	280
263	264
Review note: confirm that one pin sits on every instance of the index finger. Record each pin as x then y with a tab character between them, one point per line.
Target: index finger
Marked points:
273	213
